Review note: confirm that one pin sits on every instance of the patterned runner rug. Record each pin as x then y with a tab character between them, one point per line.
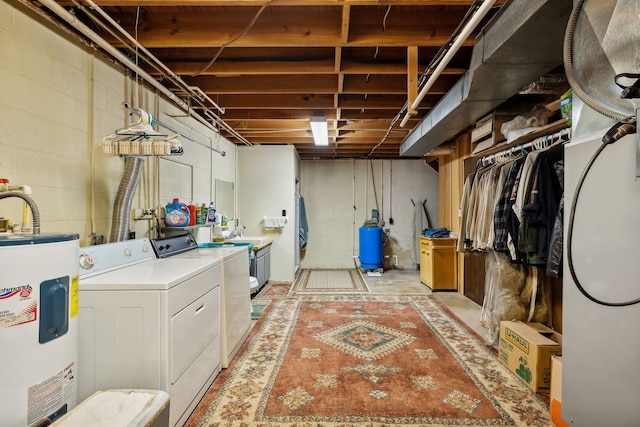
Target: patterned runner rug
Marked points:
274	290
330	280
366	360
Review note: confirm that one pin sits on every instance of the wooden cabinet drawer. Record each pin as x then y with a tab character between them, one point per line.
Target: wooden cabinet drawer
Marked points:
438	263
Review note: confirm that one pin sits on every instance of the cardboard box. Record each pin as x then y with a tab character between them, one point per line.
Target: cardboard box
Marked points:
555	400
526	349
487	132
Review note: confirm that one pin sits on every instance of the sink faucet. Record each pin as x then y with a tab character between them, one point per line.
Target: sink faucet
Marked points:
239	231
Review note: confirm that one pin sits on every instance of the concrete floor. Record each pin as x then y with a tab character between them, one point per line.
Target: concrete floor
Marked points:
408	282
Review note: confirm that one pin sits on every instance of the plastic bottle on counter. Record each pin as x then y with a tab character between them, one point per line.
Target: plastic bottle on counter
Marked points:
177	214
204	211
192	214
198	215
211	214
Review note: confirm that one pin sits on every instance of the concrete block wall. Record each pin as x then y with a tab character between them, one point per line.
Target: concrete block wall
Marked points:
57	101
341	194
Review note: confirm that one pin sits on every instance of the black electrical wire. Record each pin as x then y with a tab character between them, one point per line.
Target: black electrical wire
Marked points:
612	136
422	79
626	124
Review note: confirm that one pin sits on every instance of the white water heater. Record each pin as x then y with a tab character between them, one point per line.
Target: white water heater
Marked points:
38	327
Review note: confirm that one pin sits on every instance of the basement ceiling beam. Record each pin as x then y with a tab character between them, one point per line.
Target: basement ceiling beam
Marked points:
241	3
325	66
180	28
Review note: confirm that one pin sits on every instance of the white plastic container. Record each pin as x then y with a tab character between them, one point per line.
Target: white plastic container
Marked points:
211	215
115	408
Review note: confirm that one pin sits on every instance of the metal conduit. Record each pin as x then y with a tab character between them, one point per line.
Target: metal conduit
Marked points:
86	31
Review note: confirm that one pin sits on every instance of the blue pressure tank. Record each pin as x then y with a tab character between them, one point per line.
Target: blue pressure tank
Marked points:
370	247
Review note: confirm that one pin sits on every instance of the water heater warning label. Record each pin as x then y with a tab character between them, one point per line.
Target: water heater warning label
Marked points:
17	306
48	396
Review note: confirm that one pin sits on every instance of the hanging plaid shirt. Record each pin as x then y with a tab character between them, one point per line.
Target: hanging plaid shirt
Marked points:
503	207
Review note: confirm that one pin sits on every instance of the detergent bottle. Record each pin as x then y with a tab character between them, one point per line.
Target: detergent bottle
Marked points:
211	213
192	214
177	214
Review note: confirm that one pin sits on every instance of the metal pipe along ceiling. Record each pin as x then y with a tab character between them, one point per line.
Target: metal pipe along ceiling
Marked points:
166	69
86	31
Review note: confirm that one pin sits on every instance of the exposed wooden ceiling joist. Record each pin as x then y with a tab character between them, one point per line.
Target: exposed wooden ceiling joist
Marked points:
272	64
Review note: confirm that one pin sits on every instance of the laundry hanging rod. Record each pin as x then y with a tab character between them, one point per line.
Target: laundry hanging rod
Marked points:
537	143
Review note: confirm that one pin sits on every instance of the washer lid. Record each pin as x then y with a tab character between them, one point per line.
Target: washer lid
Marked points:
155	274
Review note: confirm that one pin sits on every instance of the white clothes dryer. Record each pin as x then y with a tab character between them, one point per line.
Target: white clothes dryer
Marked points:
149	323
235	294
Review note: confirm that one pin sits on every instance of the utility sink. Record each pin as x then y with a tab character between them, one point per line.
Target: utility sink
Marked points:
228	244
256	240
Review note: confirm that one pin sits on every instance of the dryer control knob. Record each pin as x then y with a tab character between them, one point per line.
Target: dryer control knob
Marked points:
128	252
86	261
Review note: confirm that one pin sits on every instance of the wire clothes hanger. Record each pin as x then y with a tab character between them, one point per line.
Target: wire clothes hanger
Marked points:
537	144
140	139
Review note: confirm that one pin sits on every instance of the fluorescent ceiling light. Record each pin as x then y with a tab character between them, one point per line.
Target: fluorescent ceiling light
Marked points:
320	130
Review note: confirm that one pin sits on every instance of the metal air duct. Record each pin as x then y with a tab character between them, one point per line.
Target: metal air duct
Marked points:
521	43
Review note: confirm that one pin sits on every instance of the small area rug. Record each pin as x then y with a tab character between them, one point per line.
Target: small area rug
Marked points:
366	360
330	280
256	311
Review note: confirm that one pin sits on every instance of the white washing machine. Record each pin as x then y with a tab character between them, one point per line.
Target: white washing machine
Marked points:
235	295
149	323
38	327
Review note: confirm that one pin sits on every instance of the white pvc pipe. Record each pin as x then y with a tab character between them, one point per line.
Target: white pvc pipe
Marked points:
464	34
405	119
73	21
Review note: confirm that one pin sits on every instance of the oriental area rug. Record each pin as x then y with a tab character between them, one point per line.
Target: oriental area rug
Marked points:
330	280
274	290
366	360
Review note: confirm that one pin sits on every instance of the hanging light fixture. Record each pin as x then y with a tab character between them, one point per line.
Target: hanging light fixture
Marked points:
320	130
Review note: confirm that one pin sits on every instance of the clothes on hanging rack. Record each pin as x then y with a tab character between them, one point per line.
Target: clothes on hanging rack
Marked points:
543	203
503	207
511	202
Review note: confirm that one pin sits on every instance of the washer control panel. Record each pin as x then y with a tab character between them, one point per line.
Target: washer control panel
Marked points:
174	245
99	258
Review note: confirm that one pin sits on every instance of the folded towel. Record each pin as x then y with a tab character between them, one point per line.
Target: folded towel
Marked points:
275	221
437	232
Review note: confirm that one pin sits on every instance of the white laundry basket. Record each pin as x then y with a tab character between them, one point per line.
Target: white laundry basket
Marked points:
253	283
120	408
